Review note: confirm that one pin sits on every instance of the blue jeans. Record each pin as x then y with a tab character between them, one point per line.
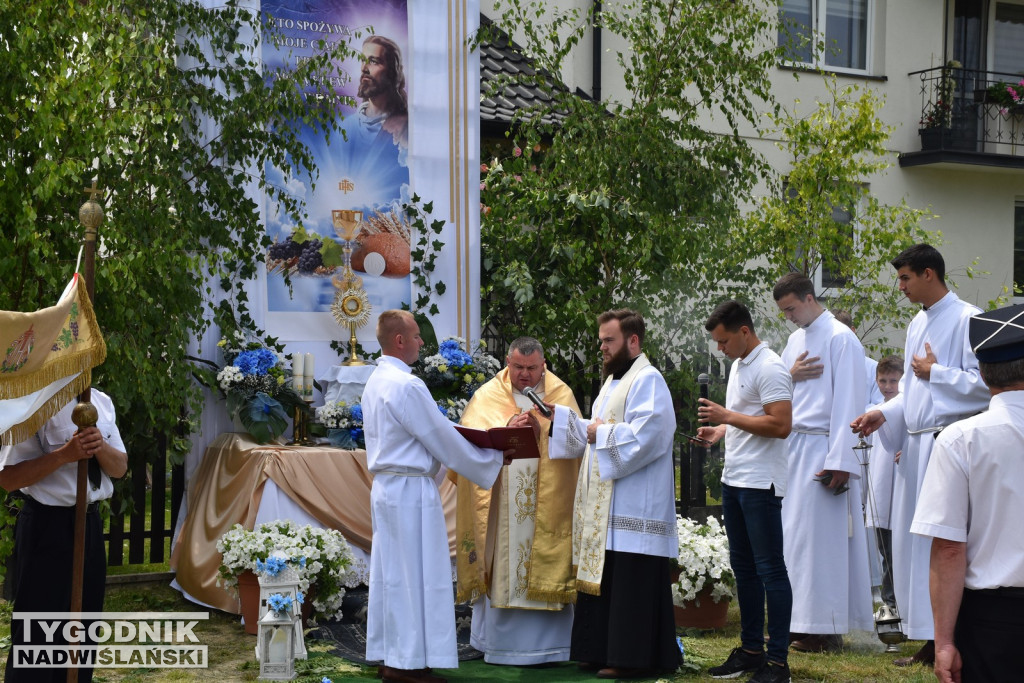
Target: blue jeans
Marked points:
753	523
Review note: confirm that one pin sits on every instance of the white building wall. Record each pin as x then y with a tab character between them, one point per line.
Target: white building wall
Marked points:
974	205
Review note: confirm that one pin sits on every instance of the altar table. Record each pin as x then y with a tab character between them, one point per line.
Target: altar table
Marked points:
330	485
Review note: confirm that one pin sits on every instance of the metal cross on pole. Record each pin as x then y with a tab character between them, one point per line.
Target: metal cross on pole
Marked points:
90	215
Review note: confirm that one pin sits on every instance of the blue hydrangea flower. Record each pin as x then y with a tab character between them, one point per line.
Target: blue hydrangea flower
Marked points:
444	411
453	353
357	412
256	362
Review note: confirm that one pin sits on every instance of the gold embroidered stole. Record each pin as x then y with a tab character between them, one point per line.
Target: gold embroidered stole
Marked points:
594	495
548	564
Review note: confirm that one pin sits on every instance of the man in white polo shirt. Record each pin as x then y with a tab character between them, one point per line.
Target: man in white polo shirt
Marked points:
755	422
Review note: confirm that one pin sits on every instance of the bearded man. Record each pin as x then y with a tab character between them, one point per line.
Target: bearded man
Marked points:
514	549
382	89
624	520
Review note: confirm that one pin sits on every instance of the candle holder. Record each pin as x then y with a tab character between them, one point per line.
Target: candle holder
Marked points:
300	428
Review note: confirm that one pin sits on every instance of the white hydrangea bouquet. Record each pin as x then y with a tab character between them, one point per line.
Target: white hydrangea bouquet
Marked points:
703	559
452	374
342	424
321	557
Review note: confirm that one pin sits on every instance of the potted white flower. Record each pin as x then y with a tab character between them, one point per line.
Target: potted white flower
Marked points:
705	577
321	557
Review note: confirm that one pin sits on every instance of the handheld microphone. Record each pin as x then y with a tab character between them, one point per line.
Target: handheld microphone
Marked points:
703	379
529	393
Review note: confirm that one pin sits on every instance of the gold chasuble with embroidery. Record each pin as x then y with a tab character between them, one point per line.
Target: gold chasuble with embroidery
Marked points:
514	542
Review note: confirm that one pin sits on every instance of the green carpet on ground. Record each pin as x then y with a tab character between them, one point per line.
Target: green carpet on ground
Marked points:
478	670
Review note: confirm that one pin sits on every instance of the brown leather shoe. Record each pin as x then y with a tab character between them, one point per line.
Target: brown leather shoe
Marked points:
819	643
925	656
590	667
615	672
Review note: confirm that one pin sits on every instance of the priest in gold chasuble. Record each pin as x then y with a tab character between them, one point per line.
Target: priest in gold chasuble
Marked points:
514	541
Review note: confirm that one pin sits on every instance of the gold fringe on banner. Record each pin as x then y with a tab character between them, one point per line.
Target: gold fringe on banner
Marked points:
46	346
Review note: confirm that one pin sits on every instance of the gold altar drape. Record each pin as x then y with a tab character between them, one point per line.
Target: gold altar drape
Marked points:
331	484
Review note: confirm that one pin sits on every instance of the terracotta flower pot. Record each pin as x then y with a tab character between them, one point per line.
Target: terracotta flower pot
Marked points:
249	599
706	614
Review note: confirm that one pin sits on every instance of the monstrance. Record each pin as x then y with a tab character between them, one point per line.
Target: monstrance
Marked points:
351	306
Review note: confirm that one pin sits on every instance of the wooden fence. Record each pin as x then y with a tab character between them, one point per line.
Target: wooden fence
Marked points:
146	523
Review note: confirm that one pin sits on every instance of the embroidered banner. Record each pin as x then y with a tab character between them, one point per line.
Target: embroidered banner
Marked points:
363	178
413	130
47	359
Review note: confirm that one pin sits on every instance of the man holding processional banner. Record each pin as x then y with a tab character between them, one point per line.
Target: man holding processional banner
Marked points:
514	541
49	355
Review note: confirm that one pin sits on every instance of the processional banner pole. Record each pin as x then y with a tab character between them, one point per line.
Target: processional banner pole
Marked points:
90	215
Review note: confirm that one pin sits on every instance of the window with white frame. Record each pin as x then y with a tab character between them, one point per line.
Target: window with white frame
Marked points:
830	34
1018	244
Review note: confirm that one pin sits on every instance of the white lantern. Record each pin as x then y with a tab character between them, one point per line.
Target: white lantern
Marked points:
279	639
276	648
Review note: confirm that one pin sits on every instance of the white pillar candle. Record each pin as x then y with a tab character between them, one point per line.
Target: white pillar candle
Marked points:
297	372
307	367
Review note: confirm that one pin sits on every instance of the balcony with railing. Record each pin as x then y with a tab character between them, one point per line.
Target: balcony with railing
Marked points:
969	117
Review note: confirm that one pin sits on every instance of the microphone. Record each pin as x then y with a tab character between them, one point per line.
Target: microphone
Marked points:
703	379
529	393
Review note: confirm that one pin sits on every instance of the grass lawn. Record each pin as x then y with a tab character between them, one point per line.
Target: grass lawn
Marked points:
231	656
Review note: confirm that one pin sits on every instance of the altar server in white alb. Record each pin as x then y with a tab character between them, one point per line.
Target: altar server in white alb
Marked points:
624	528
822	520
941	384
410	623
971	508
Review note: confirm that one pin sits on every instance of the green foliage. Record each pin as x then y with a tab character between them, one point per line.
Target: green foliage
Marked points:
424	255
833	152
166	104
623	203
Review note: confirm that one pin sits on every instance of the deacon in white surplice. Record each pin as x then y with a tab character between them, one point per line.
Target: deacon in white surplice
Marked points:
624	528
822	521
941	384
410	623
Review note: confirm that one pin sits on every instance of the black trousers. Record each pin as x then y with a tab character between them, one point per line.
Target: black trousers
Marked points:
989	629
43	549
631	624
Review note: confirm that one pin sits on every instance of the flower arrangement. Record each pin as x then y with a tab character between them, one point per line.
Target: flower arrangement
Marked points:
1006	95
320	557
703	559
453	375
343	424
938	116
255	383
940	113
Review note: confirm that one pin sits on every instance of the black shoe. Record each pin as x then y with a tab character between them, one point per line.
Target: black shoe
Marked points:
739	662
771	673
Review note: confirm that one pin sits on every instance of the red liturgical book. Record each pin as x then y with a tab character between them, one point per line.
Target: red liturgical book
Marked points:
503	438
